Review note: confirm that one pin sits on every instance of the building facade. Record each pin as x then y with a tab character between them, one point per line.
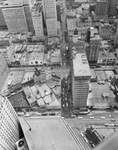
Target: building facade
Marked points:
28	17
106	31
2	20
50	15
80	80
101	9
15	18
93	47
4	70
58	11
9	132
37	20
51	26
112	7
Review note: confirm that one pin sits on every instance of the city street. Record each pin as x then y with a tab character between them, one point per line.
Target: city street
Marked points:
65	103
80	123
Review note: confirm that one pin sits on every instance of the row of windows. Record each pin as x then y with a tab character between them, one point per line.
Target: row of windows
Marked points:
8	132
6	118
9	116
2	147
9	106
10	144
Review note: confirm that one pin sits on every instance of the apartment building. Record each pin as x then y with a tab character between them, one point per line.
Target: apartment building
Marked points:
9	124
80	80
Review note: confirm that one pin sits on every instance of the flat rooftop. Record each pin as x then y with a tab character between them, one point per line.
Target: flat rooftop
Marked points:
96	99
18	100
80	65
48	133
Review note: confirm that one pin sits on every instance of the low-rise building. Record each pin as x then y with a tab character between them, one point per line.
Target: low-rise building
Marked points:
105	57
36	58
101	96
55	57
29	96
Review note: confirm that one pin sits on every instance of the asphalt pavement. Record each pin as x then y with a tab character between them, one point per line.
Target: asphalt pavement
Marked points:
65	103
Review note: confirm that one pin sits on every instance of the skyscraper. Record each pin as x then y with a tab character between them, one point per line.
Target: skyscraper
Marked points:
37	18
9	125
4	70
112	7
51	26
63	16
50	15
101	9
15	18
80	80
92	50
58	11
18	17
28	17
2	20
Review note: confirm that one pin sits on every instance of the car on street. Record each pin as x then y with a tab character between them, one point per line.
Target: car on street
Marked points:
73	116
82	134
80	117
86	140
91	117
113	120
102	117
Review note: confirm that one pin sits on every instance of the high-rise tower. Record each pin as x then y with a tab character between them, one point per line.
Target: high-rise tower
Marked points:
15	18
9	125
92	50
37	10
101	9
80	80
50	15
112	7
